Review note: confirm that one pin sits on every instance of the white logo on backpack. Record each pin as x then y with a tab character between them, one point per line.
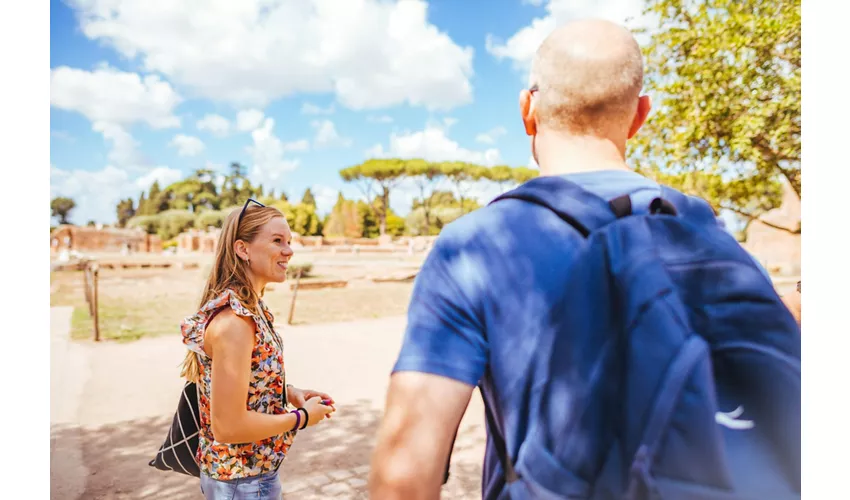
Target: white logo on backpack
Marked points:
730	420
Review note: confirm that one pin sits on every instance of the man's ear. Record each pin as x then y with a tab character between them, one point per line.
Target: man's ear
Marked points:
643	108
527	112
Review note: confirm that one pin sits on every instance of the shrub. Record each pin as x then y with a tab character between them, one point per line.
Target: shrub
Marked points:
174	222
207	218
149	223
305	268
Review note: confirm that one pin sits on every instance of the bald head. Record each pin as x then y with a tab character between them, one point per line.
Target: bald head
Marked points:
588	76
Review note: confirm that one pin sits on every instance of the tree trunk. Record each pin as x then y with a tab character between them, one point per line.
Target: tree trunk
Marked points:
426	206
385	201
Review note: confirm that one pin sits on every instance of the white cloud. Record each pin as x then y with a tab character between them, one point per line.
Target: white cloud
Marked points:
325	198
97	192
522	45
187	145
369	53
267	151
327	136
299	145
163	175
249	119
432	144
125	149
61	134
536	3
217	125
491	136
112	96
113	100
311	109
379	119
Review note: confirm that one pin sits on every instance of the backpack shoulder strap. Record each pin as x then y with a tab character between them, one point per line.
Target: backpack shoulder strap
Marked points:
581	209
693	209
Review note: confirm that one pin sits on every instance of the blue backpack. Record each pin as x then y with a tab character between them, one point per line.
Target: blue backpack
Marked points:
680	375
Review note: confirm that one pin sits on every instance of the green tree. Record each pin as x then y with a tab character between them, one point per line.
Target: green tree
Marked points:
308	198
351	219
507	177
426	176
725	79
501	175
207	218
335	221
61	207
174	222
462	175
125	211
149	223
141	207
158	200
370	227
395	224
444	208
195	193
236	188
379	175
522	175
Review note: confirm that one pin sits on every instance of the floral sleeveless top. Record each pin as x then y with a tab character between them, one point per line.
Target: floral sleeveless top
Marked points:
266	394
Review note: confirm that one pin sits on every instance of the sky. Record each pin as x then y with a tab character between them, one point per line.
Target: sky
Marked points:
294	90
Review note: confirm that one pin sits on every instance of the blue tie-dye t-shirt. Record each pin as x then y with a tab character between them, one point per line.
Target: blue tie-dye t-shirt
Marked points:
481	299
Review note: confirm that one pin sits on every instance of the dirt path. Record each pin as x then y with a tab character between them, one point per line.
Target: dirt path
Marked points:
112	417
68	375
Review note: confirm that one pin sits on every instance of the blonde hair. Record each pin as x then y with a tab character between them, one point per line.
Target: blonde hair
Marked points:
229	271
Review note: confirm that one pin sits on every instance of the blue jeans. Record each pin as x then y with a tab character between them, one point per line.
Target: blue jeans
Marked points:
263	487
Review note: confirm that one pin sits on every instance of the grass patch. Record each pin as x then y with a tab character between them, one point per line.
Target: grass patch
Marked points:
136	303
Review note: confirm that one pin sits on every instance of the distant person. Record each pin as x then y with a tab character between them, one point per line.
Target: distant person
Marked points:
625	345
236	357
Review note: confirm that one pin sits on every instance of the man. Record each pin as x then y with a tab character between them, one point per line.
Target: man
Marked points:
493	283
500	266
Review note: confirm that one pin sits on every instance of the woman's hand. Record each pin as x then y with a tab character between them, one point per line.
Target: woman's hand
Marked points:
317	410
298	397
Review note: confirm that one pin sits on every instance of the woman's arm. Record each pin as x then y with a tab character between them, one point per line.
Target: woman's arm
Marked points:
229	340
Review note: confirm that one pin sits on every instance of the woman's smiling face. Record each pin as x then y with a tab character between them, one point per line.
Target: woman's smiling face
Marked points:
270	252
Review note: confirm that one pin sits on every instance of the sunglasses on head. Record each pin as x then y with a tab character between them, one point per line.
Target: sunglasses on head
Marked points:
244	207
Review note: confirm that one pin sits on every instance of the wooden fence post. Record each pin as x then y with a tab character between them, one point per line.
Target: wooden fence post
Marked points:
87	287
294	295
95	315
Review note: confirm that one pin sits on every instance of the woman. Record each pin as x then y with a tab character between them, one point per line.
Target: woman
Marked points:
232	343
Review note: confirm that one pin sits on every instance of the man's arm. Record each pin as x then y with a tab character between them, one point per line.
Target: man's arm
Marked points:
423	412
443	356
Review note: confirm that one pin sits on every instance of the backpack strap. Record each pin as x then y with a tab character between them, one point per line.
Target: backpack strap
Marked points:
586	213
581	209
693	209
499	443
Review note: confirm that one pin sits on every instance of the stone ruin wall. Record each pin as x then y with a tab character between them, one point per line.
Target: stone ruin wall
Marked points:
94	239
778	250
195	240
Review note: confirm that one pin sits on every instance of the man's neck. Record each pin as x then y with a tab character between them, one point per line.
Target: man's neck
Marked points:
561	154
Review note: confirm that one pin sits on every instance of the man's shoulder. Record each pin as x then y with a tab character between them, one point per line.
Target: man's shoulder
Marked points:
491	224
